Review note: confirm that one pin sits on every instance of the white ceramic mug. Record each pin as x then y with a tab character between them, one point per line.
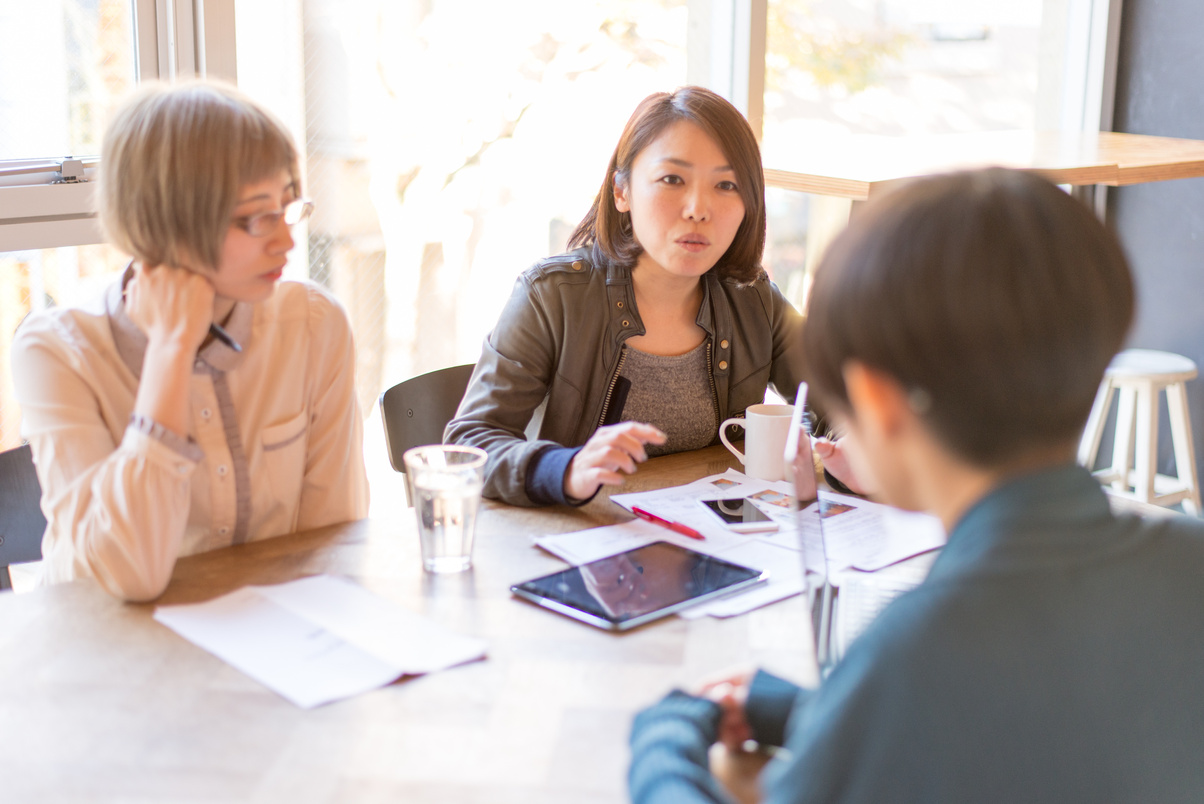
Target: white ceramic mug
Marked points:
765	430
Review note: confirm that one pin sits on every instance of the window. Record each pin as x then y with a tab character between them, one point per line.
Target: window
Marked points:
85	56
841	68
445	158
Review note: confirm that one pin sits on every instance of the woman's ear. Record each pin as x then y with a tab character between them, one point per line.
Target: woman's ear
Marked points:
878	402
621	202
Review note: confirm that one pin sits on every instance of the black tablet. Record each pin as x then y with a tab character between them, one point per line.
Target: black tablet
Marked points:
641	585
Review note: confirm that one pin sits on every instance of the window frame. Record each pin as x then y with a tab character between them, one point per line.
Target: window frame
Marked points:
173	39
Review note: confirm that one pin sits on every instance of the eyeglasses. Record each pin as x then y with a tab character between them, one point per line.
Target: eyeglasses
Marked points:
264	223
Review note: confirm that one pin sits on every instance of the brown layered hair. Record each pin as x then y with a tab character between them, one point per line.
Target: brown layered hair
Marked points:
609	231
173	162
993	297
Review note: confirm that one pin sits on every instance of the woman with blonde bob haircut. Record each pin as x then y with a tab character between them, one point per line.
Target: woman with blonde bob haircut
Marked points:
201	402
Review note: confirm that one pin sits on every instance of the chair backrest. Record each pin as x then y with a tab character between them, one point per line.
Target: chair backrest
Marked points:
21	520
416	411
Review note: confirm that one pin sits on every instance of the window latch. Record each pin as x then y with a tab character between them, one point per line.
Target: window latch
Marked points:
71	171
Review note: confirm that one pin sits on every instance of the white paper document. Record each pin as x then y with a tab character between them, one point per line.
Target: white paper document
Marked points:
863	595
869	536
318	639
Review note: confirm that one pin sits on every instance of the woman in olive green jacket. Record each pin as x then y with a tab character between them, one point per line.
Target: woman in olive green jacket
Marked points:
660	325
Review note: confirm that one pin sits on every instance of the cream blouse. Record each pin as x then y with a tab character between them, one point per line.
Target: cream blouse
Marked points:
276	440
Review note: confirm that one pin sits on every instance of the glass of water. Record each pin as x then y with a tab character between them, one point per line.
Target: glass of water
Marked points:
446	482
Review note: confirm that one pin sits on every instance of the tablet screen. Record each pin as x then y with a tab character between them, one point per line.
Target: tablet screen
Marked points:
638	586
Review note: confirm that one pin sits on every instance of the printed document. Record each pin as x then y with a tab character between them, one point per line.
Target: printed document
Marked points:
318	639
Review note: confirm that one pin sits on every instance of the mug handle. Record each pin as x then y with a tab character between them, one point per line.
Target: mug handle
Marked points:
734	422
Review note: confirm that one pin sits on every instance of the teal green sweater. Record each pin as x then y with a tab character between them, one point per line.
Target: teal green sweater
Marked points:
1055	653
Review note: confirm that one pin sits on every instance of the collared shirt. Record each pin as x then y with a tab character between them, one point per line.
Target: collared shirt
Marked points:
275	443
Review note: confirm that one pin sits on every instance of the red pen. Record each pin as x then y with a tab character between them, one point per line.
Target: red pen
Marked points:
676	527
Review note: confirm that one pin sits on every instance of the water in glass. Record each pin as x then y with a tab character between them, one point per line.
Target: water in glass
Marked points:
447	510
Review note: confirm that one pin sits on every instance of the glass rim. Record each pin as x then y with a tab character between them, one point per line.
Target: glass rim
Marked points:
478	456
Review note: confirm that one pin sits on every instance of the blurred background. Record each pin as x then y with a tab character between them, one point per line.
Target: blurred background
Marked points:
449	144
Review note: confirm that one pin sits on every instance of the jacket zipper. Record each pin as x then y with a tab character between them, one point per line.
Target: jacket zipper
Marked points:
711	378
615	378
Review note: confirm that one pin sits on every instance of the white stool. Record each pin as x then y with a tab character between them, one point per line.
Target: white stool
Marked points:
1138	375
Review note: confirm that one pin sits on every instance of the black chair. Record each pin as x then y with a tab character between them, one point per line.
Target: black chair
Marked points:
21	520
416	411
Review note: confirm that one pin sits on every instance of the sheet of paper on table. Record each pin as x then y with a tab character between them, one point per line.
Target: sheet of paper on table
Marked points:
318	639
863	595
868	536
860	534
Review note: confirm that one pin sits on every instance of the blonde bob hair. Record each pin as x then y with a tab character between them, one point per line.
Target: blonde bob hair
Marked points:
174	160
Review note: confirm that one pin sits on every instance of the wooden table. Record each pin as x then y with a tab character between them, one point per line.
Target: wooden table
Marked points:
858	166
98	702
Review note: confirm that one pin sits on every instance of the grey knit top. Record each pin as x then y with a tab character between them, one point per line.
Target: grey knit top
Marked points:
674	394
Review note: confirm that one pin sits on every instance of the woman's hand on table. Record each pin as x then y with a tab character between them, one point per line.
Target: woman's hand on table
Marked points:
172	306
610	453
836	461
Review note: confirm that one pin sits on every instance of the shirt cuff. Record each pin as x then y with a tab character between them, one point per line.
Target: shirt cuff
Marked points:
770	702
184	447
545	477
681	708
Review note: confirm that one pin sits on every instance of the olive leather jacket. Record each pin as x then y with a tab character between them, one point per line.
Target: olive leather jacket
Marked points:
549	367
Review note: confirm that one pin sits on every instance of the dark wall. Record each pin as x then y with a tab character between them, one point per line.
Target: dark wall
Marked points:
1160	91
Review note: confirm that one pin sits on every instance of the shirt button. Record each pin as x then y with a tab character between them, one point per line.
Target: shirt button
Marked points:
182	468
723	365
723	343
206	413
221	470
577	266
619	305
223	531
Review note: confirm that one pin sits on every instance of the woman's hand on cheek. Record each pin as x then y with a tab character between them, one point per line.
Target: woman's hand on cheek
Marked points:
836	461
172	306
609	454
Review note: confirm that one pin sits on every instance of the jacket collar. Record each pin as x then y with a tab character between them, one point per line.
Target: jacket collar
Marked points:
620	275
1053	515
131	341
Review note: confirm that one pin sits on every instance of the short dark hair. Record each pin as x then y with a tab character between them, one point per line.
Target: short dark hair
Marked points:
995	298
609	231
